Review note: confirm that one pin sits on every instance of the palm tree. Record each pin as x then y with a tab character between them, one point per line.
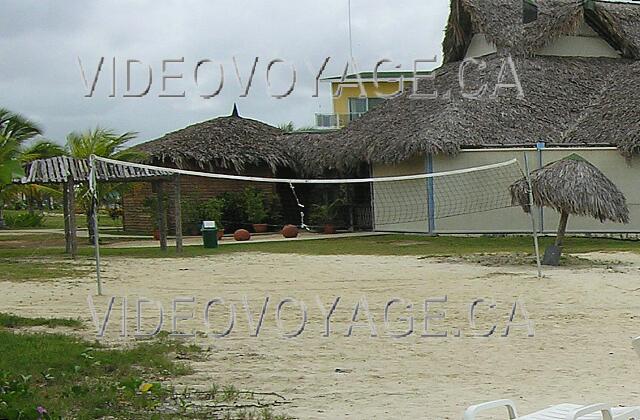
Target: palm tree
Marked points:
15	130
104	143
290	127
17	127
41	149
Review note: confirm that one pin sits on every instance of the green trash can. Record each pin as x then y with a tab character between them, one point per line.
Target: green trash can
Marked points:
210	235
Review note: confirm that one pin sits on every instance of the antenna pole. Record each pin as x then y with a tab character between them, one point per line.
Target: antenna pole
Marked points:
350	34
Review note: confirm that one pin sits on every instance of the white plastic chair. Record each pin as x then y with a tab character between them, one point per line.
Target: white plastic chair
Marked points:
636	345
558	412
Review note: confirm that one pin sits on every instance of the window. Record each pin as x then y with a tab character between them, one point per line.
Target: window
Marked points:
529	11
374	102
357	105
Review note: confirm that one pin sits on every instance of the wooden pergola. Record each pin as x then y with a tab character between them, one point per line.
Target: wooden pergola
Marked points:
69	172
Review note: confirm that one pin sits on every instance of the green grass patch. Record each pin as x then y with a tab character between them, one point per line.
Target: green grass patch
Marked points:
431	246
71	378
14	321
55	220
36	242
32	241
370	245
46	376
389	245
40	269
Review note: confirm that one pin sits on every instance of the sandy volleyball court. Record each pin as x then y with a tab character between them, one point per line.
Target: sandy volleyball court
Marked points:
584	320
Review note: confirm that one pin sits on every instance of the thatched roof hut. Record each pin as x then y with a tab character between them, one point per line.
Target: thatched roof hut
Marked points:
501	22
566	99
573	186
232	142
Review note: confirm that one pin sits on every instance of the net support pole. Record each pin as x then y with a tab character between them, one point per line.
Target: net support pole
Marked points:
431	200
177	193
65	212
94	216
73	228
533	217
162	215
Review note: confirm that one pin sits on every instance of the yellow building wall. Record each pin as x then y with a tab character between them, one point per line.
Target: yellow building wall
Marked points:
341	103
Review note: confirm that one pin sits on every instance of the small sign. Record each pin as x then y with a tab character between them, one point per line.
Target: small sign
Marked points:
209	224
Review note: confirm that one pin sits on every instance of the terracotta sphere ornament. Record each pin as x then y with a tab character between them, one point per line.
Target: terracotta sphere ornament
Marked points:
241	235
290	231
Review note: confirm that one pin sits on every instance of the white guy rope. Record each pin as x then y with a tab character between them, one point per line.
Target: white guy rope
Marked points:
308	181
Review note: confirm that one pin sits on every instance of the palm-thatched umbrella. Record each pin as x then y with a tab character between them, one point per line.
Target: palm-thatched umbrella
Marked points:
571	186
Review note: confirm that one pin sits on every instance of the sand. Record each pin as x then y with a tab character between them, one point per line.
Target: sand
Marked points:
583	320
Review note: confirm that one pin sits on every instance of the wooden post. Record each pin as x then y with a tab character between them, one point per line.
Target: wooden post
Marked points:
71	204
65	212
162	215
178	212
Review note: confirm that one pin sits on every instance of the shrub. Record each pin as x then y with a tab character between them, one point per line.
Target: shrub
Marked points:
212	210
234	210
325	213
25	220
254	205
116	213
274	210
194	212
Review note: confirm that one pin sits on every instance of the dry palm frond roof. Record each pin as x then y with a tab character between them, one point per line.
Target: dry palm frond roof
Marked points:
612	116
574	186
232	142
558	92
567	100
501	21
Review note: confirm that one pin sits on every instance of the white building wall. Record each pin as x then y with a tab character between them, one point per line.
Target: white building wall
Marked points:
585	42
624	173
480	47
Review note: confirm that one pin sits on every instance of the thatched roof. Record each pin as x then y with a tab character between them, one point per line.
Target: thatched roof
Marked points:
502	23
231	142
60	169
567	100
612	116
557	93
574	186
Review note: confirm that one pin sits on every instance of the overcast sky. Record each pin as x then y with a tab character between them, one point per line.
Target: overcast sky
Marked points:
41	42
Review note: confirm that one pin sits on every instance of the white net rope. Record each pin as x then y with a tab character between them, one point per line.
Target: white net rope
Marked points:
391	200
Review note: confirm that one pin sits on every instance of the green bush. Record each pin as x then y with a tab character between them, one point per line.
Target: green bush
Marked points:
322	214
212	210
116	213
274	210
25	220
254	205
194	212
234	210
